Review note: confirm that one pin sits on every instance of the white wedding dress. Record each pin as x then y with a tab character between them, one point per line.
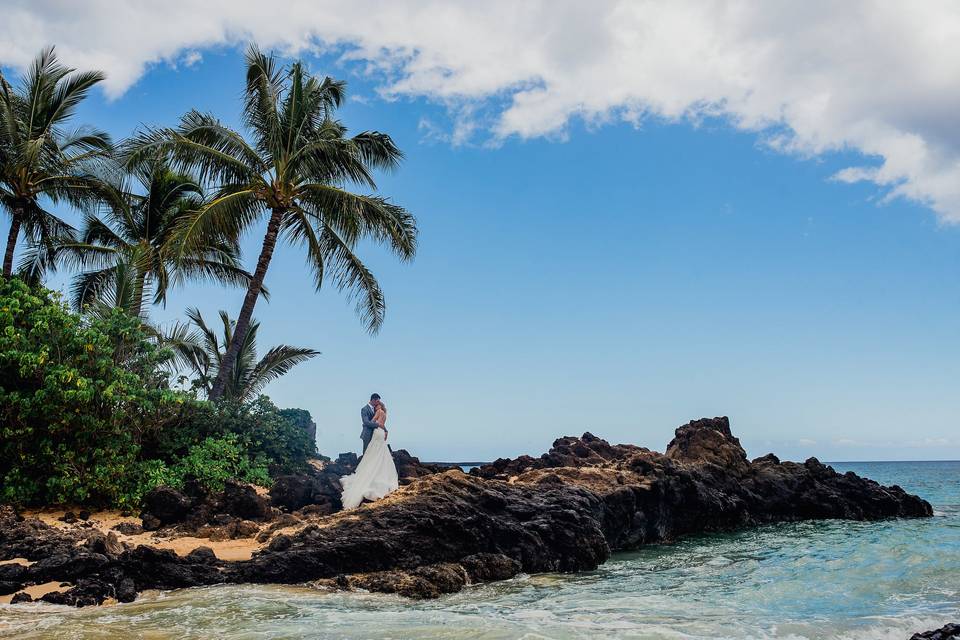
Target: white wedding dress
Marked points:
375	477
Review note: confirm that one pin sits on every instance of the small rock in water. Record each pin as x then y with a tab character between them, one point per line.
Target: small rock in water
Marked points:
216	534
126	591
245	529
21	597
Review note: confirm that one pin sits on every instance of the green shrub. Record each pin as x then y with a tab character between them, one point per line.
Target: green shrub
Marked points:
283	441
263	429
149	475
75	396
87	416
216	460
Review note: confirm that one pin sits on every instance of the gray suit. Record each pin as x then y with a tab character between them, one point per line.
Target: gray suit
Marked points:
366	416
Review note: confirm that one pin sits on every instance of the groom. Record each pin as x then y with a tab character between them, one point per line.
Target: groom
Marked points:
366	416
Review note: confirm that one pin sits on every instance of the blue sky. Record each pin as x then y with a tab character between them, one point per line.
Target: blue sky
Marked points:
609	277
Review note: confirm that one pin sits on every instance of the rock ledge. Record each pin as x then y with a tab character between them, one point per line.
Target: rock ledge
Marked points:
565	511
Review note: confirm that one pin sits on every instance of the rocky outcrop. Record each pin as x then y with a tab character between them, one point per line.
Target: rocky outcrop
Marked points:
430	581
567	510
242	501
946	632
586	451
201	514
164	506
409	468
319	489
709	443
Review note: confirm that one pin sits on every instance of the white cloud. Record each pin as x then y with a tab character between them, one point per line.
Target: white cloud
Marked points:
879	78
191	58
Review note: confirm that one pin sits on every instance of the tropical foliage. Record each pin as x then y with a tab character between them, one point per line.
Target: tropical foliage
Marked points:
87	415
293	170
40	161
75	397
209	464
129	253
203	350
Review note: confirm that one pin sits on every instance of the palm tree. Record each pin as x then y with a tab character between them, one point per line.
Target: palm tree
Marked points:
131	248
294	170
38	159
203	351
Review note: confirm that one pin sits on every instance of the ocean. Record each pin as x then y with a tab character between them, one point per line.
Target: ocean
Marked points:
804	581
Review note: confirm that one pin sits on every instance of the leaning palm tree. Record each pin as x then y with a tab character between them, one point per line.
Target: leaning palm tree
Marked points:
203	351
130	251
41	162
294	170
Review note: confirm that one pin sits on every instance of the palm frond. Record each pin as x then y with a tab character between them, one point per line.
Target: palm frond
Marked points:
70	93
276	363
355	216
91	286
263	88
214	151
226	216
354	278
201	348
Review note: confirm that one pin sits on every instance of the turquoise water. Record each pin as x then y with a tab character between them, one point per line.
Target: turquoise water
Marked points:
826	580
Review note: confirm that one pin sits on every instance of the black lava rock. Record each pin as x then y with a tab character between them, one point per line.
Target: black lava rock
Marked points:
946	632
243	501
164	505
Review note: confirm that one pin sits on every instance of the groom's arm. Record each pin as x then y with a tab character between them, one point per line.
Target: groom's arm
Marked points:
368	422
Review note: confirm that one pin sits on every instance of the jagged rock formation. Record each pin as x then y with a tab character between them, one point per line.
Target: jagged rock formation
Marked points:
946	632
565	511
233	513
319	490
409	468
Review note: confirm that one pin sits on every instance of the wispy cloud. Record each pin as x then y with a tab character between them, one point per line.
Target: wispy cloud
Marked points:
191	58
879	78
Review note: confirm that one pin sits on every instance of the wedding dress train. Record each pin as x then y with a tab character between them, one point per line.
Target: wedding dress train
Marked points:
375	477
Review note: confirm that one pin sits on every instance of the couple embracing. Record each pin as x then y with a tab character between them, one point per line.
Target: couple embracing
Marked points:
376	475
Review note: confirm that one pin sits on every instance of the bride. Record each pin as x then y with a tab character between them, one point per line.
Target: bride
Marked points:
376	475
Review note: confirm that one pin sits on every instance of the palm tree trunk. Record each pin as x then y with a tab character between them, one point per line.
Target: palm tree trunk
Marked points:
249	301
138	294
12	242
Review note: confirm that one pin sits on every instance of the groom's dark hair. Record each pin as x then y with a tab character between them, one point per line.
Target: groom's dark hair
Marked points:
374	396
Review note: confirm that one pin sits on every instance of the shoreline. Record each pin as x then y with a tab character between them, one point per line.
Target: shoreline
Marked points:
566	511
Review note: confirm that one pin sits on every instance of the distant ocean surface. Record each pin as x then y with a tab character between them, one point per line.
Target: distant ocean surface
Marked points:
818	580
